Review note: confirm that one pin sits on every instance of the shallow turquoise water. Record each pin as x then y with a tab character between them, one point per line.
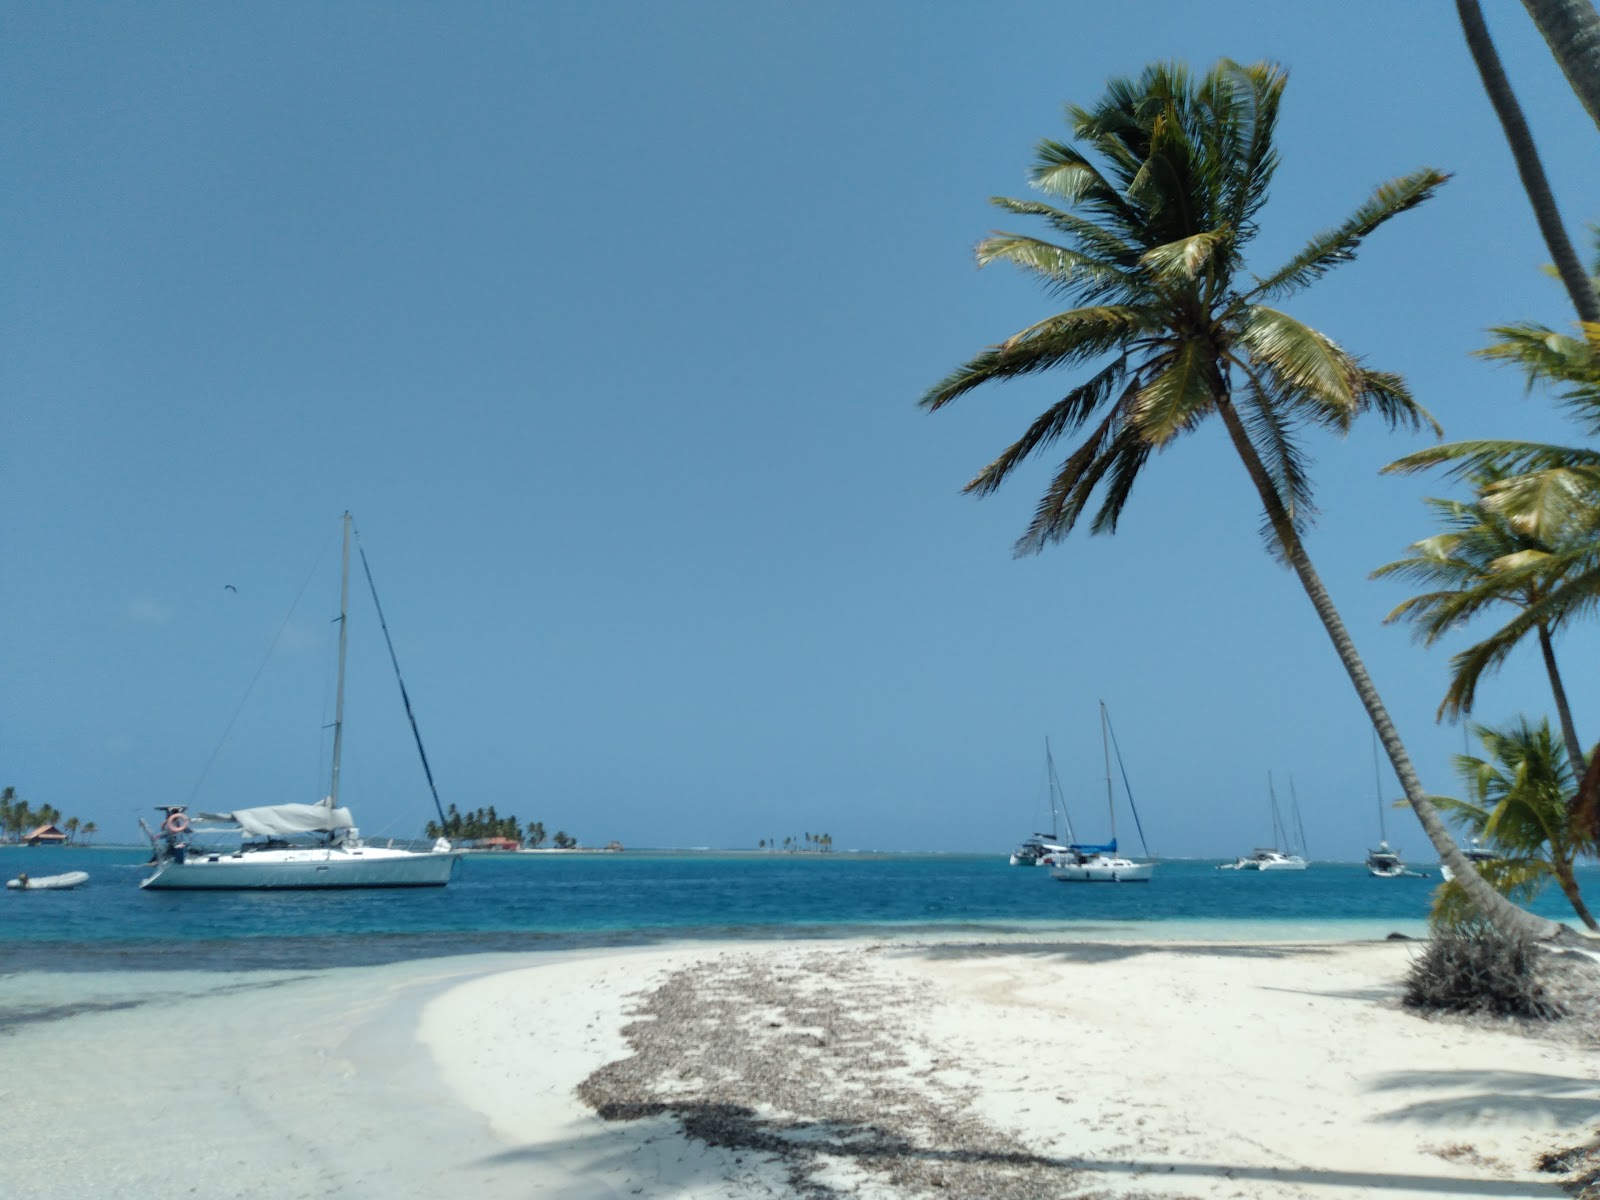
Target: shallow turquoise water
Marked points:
517	902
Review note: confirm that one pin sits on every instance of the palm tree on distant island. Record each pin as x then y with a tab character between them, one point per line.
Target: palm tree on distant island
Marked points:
1153	257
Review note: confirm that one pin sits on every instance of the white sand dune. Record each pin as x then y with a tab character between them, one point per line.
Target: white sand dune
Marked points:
875	1070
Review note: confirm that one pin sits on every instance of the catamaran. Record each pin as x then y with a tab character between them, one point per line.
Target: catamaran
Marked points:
1036	851
1080	863
1270	858
328	851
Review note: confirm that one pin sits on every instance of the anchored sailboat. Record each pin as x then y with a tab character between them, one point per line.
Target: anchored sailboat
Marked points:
1036	851
1384	863
1080	863
1270	858
330	852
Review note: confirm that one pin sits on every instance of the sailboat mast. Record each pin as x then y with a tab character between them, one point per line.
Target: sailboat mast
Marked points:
344	628
1278	838
1105	746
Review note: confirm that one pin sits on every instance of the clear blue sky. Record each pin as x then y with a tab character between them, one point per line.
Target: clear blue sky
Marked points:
607	321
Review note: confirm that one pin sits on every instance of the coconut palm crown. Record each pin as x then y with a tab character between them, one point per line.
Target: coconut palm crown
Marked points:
1482	561
1151	221
1151	230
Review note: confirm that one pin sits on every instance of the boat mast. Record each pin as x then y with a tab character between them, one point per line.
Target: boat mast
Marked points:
1057	797
1294	805
1105	745
344	627
1279	838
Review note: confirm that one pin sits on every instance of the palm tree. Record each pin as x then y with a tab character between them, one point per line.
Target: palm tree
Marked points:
1518	805
1480	561
72	828
1579	287
89	830
1153	256
8	799
1571	29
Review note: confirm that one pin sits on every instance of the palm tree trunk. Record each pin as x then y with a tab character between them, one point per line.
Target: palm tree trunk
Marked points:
1571	29
1579	287
1494	907
1569	731
1569	889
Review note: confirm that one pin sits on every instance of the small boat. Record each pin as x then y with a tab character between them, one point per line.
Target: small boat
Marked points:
329	852
44	883
1036	851
1079	863
1474	853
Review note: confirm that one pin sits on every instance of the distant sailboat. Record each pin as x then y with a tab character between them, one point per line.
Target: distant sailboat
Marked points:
1270	858
1102	864
1036	850
1384	863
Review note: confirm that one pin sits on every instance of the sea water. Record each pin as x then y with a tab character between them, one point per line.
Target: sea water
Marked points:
551	901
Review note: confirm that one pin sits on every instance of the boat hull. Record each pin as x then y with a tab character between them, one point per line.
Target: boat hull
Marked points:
323	868
1103	872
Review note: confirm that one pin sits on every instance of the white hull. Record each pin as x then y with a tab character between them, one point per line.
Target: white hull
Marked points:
45	883
320	867
1103	870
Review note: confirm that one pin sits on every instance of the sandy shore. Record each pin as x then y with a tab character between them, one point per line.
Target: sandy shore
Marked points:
806	1069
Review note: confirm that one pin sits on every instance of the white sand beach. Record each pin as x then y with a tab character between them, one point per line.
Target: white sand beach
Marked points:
878	1069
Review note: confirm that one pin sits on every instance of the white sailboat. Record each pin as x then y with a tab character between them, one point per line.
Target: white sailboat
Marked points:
1036	851
1384	863
1270	858
1080	863
333	857
1475	853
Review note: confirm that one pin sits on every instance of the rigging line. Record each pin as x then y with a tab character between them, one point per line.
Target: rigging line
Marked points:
404	695
256	678
1126	786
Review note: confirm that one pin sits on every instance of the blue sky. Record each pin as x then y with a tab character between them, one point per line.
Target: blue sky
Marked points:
608	323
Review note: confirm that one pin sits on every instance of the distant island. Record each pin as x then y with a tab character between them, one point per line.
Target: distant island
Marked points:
818	843
42	826
485	829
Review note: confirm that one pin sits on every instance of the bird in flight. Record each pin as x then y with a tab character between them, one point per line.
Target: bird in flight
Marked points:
228	587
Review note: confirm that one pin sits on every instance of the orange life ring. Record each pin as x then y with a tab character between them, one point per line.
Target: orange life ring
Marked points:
176	823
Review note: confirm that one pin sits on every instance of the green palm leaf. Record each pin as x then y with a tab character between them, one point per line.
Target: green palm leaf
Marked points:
1338	245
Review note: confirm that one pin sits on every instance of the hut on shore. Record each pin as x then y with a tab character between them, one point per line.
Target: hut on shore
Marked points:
45	835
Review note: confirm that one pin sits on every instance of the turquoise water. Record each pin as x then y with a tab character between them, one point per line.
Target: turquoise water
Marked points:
522	902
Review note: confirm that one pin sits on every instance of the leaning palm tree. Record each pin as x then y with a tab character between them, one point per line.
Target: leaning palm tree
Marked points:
89	830
1517	804
1479	563
1571	29
1580	289
1172	330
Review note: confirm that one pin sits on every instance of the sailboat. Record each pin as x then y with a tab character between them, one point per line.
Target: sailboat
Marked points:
1384	863
1080	863
330	852
1036	851
1270	858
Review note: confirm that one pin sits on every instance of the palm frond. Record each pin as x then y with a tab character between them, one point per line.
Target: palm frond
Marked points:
1339	244
1065	338
1503	455
1388	396
1073	484
1065	416
1270	426
1186	257
1182	389
1099	241
1062	269
1308	363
